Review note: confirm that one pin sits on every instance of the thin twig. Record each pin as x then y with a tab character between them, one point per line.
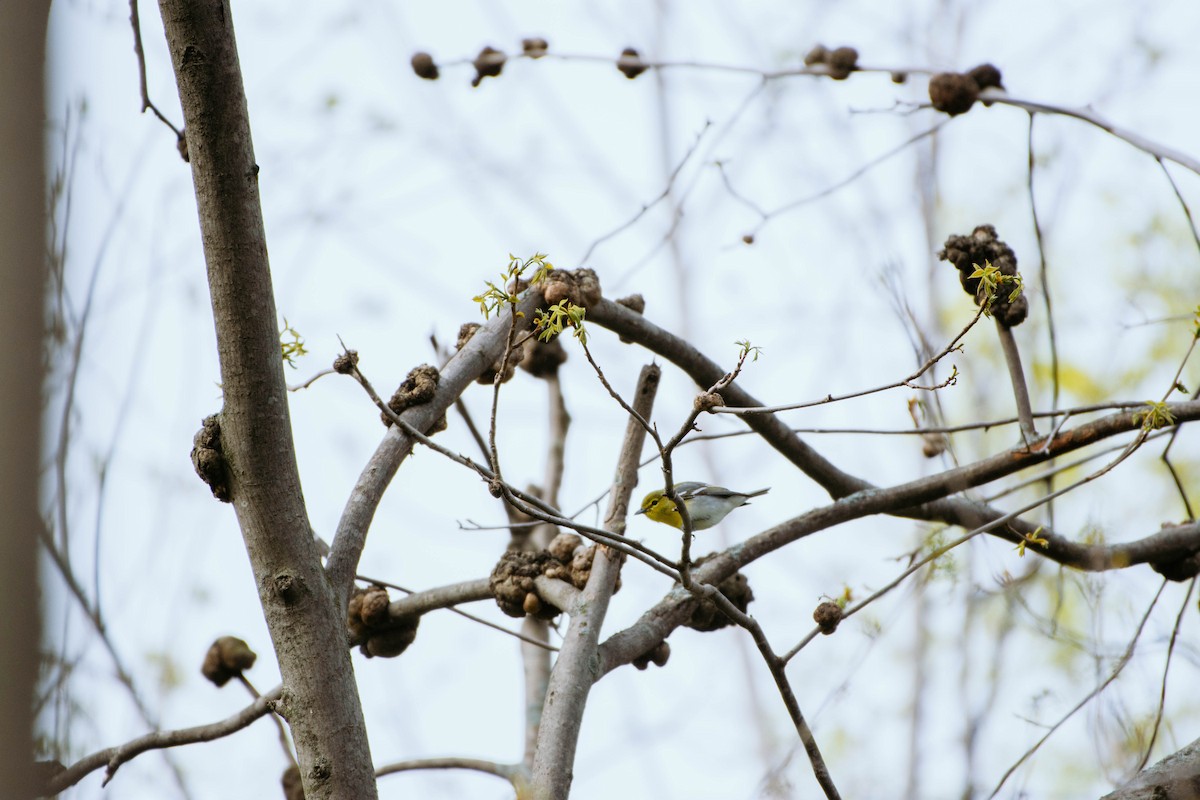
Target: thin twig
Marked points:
953	346
1117	669
135	21
849	179
1162	692
321	374
512	773
629	223
524	502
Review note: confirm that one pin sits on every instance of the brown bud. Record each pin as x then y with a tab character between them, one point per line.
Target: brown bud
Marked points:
842	62
827	616
707	401
630	63
933	444
345	363
953	93
423	65
819	54
488	64
986	76
534	47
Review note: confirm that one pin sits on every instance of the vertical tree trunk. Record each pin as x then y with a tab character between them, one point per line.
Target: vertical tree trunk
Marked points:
22	280
320	698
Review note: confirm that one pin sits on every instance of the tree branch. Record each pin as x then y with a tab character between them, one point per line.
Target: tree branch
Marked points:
307	628
113	757
477	355
574	672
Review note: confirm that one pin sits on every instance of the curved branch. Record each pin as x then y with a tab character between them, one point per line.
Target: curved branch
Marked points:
927	498
1155	149
513	773
476	356
114	757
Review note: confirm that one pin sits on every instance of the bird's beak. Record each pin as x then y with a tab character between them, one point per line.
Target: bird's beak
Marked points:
640	511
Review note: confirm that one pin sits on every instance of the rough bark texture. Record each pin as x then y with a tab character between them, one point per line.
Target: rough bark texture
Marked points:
22	271
1176	777
320	699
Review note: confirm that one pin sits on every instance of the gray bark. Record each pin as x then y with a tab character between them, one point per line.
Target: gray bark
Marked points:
320	698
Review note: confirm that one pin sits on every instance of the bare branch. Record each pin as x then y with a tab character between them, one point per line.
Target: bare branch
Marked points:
574	671
113	757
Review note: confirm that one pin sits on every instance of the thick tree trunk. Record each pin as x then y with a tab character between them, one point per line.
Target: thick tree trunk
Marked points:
320	698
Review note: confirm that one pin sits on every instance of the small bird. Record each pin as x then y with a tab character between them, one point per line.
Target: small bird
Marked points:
707	505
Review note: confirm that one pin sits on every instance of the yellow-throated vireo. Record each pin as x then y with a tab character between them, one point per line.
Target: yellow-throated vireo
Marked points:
707	505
